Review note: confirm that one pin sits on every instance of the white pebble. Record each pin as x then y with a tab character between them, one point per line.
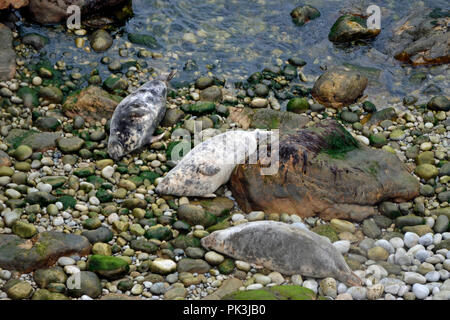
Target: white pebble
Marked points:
94	201
311	284
420	291
426	239
107	172
343	246
255	286
58	221
410	239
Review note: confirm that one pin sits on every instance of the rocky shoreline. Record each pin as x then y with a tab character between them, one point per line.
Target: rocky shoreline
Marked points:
70	213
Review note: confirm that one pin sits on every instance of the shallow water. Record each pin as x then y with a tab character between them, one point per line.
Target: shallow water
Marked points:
235	38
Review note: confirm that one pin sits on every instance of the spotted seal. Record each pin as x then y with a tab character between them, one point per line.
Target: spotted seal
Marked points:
137	116
209	164
284	248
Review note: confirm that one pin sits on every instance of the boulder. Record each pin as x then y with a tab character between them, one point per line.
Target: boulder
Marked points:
38	141
350	28
16	4
339	87
92	104
302	14
283	292
324	171
55	11
41	251
421	38
7	54
267	119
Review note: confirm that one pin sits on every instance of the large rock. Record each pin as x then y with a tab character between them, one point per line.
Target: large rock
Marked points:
16	4
421	38
92	103
284	292
324	171
339	87
7	54
350	28
39	252
38	141
55	11
302	14
267	119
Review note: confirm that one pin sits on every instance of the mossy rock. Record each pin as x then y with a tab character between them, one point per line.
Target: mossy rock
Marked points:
218	206
184	241
149	175
200	108
326	230
115	83
349	28
298	105
41	198
108	266
95	180
339	143
84	172
29	96
227	266
144	40
17	136
302	14
104	196
158	232
285	292
220	225
67	201
54	181
273	119
44	294
143	245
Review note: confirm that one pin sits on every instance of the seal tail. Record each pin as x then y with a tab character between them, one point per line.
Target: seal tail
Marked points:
350	278
171	75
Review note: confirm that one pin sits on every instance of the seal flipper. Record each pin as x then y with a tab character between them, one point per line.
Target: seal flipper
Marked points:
208	169
155	138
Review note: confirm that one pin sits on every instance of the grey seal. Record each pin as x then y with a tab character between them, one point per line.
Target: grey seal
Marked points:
136	117
209	164
284	248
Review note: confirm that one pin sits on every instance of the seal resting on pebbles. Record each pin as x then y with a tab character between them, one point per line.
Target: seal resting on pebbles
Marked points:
284	248
209	164
136	117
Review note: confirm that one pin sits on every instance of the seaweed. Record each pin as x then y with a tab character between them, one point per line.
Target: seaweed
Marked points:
339	142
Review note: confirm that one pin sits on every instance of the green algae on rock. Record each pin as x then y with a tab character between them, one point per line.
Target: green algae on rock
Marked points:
328	155
108	266
41	251
285	292
302	14
350	28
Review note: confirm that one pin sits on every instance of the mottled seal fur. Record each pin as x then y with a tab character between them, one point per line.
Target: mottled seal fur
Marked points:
284	248
209	164
136	117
